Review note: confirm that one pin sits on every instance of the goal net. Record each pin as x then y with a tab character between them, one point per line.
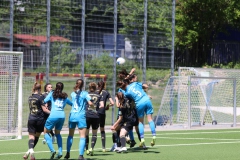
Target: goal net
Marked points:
200	97
11	68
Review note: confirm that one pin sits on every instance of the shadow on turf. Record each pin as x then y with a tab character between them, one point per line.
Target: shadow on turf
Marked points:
138	149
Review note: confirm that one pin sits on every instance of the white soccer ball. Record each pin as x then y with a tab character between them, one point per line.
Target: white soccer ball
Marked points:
120	60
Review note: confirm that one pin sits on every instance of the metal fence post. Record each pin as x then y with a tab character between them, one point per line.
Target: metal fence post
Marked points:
83	39
173	39
114	57
145	39
48	39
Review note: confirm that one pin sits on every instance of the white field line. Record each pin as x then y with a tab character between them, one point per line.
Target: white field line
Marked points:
167	145
158	135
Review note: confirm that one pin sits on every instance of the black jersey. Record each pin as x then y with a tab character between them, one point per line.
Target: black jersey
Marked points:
35	102
105	96
48	103
92	112
128	112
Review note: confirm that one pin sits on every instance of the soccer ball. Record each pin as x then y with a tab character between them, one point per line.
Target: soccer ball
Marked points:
120	60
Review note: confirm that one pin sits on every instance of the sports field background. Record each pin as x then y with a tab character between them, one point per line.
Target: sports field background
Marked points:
180	144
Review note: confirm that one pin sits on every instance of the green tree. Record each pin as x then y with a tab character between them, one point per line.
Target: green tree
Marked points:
198	22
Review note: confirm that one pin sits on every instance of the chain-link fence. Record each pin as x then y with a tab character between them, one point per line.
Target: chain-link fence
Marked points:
85	37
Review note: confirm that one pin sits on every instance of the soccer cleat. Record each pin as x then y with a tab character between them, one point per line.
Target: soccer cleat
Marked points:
117	149
43	141
52	154
144	147
90	152
87	152
122	150
81	158
32	156
142	143
67	155
132	144
25	157
113	147
153	141
58	156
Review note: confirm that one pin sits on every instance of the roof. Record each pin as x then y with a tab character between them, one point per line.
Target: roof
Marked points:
37	40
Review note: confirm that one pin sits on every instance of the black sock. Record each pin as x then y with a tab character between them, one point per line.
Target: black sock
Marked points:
94	139
114	137
87	142
123	141
139	137
30	143
118	139
51	132
103	136
35	141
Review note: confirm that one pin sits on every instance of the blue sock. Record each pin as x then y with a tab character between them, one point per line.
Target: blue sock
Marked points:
48	139
141	129
69	143
130	133
59	142
82	143
152	127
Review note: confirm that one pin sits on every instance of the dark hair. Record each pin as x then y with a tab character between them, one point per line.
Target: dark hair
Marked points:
120	97
58	91
79	85
131	77
45	86
92	86
122	83
123	74
101	86
36	87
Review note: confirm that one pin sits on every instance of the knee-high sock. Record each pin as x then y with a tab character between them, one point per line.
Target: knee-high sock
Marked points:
87	142
130	133
35	141
48	139
69	143
94	139
51	132
152	127
118	139
141	130
59	142
123	141
82	143
114	137
139	137
103	137
30	144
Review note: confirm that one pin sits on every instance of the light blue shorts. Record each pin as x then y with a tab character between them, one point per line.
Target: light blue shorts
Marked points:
81	123
145	107
54	122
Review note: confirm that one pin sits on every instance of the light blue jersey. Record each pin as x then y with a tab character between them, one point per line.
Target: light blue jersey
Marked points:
79	104
143	103
58	106
135	92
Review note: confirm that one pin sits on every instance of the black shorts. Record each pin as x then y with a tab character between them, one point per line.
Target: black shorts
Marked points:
94	122
36	126
102	118
127	126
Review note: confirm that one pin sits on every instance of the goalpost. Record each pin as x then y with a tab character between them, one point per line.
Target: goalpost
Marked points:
202	97
11	75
